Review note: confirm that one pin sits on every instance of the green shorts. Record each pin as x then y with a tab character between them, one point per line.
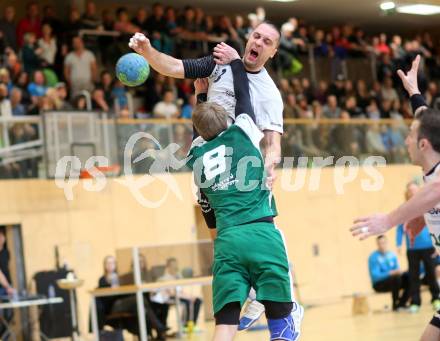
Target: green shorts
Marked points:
250	255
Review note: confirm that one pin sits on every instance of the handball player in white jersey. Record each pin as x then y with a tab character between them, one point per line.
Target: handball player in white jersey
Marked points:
265	97
423	143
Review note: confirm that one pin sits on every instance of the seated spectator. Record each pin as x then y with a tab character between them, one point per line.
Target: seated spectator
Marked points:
98	101
80	68
123	304
30	24
62	103
363	98
22	83
385	274
166	108
48	45
44	103
374	142
119	95
188	108
18	108
345	139
380	45
37	87
30	54
166	296
331	109
5	79
7	28
5	103
13	64
373	111
106	84
80	103
432	95
386	108
290	106
420	250
388	92
352	108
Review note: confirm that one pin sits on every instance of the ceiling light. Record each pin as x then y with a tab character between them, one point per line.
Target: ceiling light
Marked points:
386	6
419	9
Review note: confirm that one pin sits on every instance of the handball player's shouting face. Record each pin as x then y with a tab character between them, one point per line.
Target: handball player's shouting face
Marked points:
261	45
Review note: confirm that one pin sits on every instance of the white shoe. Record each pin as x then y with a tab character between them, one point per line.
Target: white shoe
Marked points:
297	316
253	312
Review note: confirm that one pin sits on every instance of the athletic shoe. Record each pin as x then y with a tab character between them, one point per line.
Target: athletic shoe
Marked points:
297	315
253	312
288	328
436	305
413	309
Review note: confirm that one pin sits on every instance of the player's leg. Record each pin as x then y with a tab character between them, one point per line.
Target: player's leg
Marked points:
226	321
428	263
432	331
414	278
271	278
231	283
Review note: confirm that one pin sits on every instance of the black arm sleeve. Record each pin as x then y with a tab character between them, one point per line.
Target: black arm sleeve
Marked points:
241	89
198	68
207	211
417	101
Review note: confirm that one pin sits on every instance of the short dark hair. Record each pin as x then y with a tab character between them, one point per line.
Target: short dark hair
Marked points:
430	127
171	260
121	10
382	236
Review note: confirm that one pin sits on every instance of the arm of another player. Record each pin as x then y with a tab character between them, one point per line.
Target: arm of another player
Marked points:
225	54
170	66
425	199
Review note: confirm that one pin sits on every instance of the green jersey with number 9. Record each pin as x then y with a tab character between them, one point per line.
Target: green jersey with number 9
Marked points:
230	171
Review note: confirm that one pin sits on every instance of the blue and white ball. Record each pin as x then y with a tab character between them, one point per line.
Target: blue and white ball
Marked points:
132	69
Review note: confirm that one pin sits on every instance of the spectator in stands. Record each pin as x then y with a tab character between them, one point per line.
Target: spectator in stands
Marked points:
106	84
30	54
331	109
7	28
80	68
48	46
140	20
79	103
374	142
90	19
30	24
5	78
188	108
37	87
192	304
419	250
98	101
290	106
432	95
352	108
345	139
157	23
387	91
123	24
362	96
18	108
386	107
166	108
44	103
5	103
13	64
321	49
62	103
22	83
119	95
50	18
385	274
72	26
380	45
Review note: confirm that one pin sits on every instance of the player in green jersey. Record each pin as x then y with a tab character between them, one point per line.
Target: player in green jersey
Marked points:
229	170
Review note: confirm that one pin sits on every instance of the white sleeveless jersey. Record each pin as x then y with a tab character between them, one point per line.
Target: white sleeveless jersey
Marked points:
265	96
432	217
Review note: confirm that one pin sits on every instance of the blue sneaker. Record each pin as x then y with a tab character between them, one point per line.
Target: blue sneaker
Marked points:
253	312
288	328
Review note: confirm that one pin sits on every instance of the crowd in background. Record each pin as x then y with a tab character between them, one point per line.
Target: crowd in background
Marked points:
45	64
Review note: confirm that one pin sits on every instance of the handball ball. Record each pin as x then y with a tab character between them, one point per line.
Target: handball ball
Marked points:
132	69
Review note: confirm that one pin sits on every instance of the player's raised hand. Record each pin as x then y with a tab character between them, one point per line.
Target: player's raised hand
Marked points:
370	226
140	44
224	54
409	79
201	86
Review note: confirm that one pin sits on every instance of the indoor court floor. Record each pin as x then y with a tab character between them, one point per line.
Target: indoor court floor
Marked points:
335	322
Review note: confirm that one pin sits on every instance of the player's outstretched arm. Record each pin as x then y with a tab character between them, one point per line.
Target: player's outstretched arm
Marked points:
419	204
168	65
